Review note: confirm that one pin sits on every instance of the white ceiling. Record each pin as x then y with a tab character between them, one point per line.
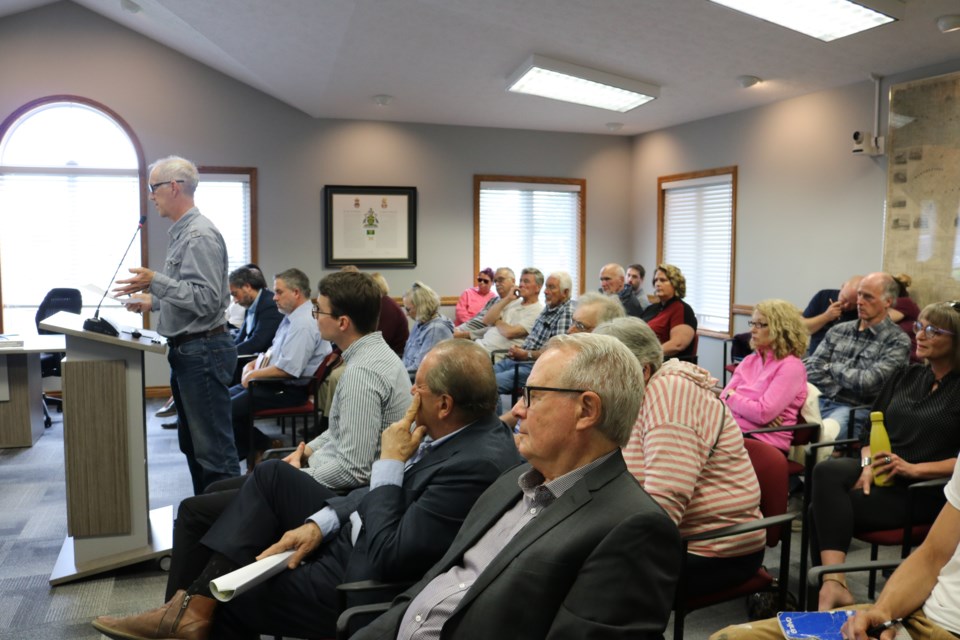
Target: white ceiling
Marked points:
446	61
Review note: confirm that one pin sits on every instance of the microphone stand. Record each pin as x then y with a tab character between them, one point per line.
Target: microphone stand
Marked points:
105	326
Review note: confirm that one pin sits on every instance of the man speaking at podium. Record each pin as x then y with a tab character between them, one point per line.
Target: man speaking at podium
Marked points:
191	294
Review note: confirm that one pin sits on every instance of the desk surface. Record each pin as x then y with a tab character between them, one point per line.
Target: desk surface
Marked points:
37	344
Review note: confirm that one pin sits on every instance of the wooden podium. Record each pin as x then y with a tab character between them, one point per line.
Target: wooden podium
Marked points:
109	524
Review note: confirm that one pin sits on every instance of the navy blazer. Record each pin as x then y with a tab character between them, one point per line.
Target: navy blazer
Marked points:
265	323
602	561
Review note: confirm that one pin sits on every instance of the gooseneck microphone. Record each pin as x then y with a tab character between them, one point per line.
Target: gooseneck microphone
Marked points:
103	325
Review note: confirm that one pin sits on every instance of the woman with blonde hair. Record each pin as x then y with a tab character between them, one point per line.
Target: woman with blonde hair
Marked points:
422	305
770	385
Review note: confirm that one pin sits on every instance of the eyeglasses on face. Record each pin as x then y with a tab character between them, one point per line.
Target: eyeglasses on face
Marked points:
316	312
929	331
757	325
582	327
157	185
527	389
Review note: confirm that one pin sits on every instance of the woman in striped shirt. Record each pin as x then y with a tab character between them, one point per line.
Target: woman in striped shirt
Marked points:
687	451
921	411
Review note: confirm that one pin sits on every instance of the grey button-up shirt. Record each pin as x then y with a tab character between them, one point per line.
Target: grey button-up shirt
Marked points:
191	292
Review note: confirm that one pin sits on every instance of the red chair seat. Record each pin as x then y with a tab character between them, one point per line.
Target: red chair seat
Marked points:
894	537
306	407
760	581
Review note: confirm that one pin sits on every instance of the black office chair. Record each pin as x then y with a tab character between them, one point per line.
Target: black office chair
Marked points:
55	301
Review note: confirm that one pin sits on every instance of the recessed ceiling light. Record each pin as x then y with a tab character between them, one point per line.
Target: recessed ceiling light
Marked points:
558	80
748	81
614	126
949	23
823	19
382	99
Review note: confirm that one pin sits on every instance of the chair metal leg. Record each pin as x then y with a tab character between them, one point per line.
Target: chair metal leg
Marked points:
872	583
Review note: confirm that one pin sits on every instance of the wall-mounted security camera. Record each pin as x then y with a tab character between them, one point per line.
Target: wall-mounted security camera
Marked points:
864	142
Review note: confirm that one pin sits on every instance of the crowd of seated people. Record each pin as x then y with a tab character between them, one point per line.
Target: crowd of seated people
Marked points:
596	410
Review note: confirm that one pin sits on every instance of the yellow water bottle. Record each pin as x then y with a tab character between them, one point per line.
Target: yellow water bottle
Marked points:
879	441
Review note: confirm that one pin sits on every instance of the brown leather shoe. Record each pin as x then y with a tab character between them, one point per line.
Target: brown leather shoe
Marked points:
182	618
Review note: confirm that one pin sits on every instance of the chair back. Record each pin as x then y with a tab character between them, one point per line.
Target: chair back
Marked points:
770	465
56	300
327	366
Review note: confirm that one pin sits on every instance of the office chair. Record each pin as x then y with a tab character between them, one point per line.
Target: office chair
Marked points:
56	300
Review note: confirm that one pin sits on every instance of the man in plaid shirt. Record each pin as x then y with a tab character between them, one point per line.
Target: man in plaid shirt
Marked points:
555	318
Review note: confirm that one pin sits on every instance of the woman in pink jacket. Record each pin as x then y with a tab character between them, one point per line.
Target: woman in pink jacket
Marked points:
770	385
472	300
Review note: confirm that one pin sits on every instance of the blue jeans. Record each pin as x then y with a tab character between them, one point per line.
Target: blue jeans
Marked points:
200	374
840	411
504	371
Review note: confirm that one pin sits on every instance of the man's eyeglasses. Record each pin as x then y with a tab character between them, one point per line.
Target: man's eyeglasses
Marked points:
316	312
527	389
483	281
157	185
757	325
582	327
930	331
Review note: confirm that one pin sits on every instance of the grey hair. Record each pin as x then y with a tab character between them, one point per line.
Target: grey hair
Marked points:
179	169
424	299
295	279
638	337
610	307
564	279
536	273
464	372
617	269
602	364
891	288
508	271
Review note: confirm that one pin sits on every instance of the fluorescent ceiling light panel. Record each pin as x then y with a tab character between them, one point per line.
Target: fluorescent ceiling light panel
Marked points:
548	78
823	19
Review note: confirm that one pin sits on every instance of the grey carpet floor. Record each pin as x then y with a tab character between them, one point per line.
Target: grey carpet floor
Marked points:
33	526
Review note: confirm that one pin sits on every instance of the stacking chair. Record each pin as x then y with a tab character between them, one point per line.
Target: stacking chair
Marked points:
310	408
815	576
56	300
770	465
735	349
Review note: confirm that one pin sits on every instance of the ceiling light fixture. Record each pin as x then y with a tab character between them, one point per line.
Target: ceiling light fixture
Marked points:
614	126
558	80
382	99
948	23
748	81
823	19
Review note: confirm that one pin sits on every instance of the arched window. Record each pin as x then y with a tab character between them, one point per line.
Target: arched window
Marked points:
70	200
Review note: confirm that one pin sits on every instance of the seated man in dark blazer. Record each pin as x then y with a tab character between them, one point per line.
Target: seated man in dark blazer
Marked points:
249	289
421	489
569	546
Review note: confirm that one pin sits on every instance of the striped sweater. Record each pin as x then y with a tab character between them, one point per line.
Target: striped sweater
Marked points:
687	451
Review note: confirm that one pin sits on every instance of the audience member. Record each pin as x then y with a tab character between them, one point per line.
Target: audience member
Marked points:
856	358
593	309
191	294
924	591
612	284
297	350
422	305
504	281
769	386
567	545
672	319
393	322
262	318
556	318
473	299
635	275
829	307
394	530
510	320
921	411
904	312
687	452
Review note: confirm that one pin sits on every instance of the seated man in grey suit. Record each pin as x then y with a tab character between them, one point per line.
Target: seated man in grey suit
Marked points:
421	489
568	546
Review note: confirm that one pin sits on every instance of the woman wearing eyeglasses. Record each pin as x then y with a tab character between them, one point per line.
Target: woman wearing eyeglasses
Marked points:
473	299
921	411
422	305
770	385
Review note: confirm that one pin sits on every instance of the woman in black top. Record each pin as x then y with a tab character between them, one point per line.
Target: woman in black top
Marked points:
921	410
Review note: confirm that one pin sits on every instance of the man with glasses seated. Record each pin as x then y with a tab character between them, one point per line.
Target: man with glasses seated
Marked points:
593	309
511	318
504	281
297	350
567	545
855	358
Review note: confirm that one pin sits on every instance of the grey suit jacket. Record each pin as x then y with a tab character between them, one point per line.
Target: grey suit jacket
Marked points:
601	561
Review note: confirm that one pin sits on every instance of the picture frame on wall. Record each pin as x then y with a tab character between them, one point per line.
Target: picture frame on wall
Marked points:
370	226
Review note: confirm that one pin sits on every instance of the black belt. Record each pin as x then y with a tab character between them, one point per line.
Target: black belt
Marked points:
183	338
